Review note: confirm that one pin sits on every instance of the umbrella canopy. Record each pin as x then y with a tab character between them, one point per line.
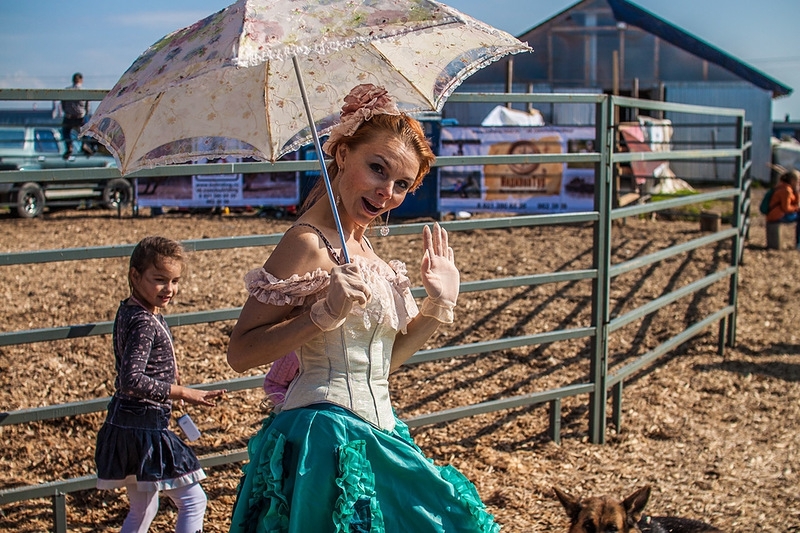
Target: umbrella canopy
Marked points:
228	84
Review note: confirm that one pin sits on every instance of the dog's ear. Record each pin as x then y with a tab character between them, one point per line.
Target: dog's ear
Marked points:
635	503
570	504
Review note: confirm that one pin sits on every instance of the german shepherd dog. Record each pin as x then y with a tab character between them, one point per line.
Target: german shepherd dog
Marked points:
607	515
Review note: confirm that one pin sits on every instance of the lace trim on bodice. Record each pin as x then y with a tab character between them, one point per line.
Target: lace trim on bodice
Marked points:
392	303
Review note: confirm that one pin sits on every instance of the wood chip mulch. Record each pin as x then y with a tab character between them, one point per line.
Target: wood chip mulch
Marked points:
715	435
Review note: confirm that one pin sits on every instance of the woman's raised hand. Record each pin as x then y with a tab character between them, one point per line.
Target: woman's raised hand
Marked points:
440	277
346	288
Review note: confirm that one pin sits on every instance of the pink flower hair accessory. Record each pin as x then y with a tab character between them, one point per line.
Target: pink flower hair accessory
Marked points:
364	102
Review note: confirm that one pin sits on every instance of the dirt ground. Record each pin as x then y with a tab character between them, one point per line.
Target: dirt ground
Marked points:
715	435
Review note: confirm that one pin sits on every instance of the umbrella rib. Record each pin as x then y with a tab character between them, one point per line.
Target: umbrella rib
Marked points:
401	74
267	122
152	110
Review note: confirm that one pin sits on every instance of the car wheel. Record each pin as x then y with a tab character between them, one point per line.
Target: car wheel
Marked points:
30	200
117	193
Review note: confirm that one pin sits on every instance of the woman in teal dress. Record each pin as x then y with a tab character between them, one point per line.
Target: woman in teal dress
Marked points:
333	457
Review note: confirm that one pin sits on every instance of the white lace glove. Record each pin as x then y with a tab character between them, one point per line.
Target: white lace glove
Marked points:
440	276
346	287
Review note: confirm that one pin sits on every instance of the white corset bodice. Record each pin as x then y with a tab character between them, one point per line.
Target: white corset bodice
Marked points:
348	366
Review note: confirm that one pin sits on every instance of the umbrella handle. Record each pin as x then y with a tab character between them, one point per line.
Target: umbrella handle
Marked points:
321	158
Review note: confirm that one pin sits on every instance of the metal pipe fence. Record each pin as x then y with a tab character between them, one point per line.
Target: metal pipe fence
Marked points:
605	376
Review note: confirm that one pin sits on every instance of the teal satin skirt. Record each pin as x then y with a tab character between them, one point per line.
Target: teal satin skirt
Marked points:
322	469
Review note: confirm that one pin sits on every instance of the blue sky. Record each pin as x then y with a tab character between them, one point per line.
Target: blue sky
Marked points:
42	42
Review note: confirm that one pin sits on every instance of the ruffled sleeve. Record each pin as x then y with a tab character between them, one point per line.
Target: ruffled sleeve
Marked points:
396	306
268	289
404	301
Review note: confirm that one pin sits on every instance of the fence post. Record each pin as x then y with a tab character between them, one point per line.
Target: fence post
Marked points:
723	329
601	262
737	245
616	403
59	512
555	420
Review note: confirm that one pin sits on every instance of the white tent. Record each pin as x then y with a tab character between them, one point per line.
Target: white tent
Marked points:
503	116
786	153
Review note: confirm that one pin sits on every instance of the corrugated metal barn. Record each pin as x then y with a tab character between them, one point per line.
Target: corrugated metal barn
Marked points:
616	47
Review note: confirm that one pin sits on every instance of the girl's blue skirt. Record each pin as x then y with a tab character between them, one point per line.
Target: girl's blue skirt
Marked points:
135	445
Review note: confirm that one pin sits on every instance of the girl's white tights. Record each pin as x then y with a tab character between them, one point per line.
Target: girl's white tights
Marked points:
190	501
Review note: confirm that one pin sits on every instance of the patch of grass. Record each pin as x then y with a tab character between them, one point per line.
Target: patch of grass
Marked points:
693	211
677	194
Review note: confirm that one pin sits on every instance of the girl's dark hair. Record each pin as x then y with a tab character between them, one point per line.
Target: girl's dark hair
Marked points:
787	176
151	250
405	128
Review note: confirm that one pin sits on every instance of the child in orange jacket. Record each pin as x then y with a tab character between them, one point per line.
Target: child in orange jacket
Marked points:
784	206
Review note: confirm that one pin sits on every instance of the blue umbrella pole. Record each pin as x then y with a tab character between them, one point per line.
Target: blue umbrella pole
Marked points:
321	157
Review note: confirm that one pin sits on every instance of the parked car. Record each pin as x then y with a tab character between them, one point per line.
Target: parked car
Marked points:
42	148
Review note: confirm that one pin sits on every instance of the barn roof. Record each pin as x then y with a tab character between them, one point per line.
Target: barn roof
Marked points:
634	15
630	13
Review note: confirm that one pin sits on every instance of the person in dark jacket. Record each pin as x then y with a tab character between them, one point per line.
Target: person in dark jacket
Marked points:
75	113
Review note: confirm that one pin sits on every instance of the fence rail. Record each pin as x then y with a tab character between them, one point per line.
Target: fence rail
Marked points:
601	377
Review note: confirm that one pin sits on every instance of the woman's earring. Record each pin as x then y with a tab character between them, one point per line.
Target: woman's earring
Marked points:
385	227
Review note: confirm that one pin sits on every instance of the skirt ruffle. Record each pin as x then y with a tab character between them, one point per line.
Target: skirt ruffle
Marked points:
134	445
323	469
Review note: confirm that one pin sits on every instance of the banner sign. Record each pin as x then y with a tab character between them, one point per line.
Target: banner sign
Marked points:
517	188
220	190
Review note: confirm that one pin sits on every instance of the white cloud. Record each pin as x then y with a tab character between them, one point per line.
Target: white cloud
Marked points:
22	79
